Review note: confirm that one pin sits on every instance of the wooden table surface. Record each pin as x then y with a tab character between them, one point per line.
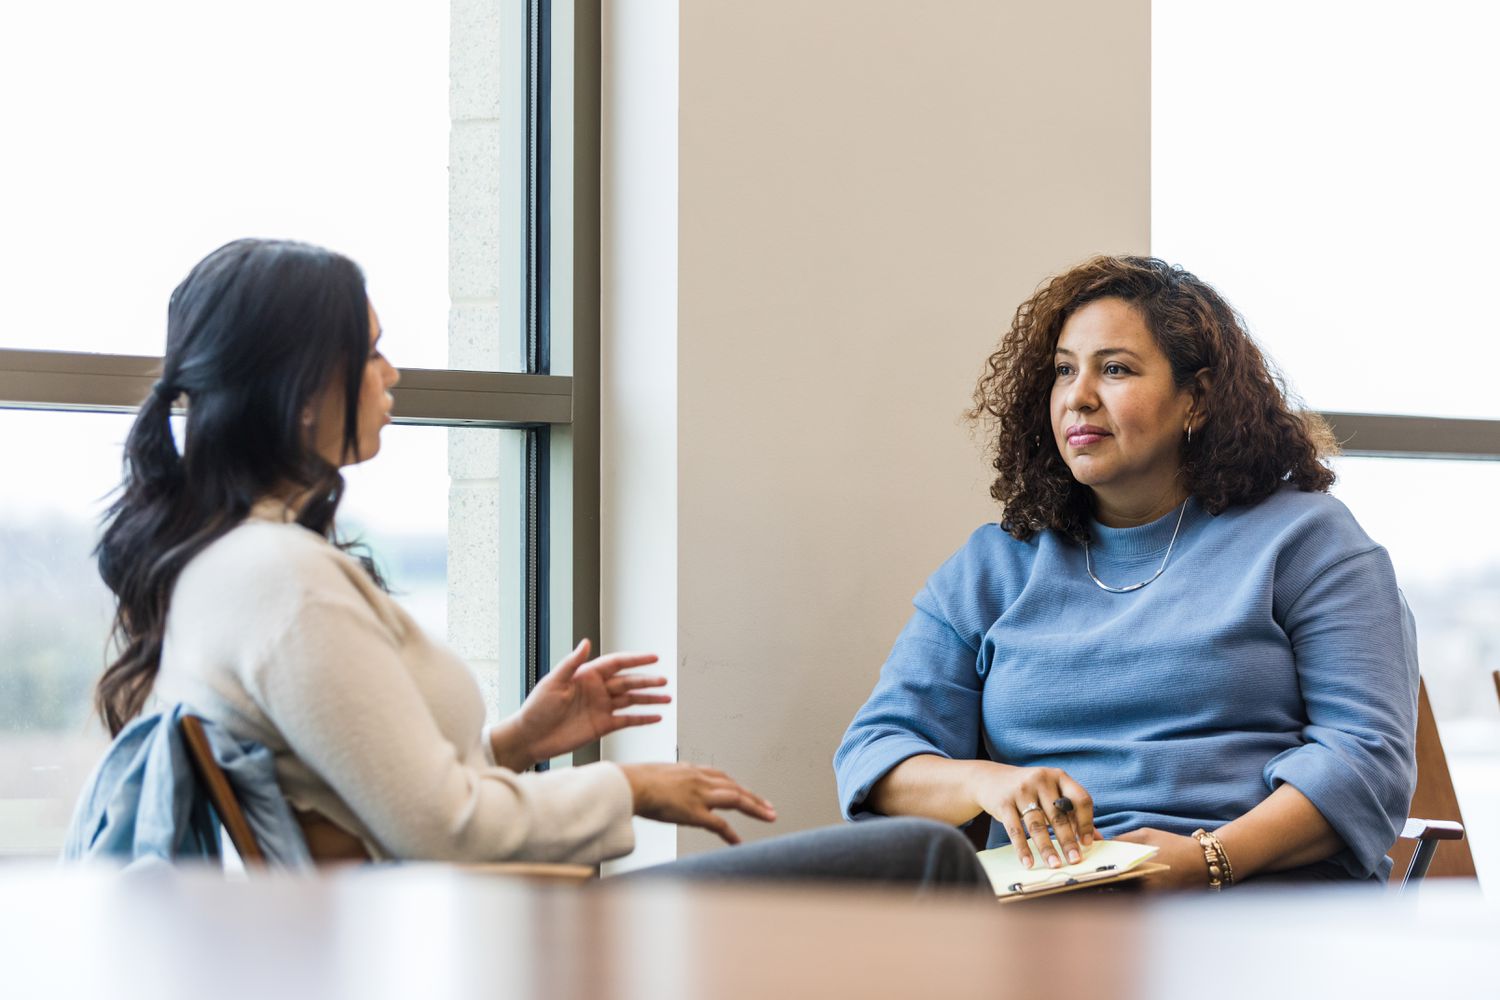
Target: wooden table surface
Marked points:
431	932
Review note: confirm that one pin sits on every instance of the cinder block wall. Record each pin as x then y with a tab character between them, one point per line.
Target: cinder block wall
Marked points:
484	283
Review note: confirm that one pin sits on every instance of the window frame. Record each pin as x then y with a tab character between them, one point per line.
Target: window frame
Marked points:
1391	435
534	402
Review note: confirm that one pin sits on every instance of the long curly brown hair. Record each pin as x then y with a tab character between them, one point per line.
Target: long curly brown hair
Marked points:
1254	438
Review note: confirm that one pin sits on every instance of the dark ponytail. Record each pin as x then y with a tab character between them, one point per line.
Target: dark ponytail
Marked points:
149	448
255	334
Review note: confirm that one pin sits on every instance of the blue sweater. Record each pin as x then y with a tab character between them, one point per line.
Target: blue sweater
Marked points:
1275	648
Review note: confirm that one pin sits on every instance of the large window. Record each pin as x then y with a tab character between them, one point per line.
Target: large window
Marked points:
1326	166
433	144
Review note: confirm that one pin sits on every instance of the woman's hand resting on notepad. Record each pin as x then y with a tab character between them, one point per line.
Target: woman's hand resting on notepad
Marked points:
1006	792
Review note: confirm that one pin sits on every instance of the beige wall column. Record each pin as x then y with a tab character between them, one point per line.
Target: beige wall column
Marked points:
818	219
866	189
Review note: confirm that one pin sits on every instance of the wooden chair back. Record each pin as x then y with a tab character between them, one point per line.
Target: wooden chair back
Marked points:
1434	799
221	793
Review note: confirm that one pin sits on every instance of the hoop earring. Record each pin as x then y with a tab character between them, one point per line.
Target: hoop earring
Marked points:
1190	433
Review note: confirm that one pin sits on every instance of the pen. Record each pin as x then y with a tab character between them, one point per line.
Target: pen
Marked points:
1048	884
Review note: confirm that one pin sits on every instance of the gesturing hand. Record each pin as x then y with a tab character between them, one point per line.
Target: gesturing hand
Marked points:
688	794
579	702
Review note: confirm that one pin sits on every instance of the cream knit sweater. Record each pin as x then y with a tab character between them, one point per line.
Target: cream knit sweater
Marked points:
284	639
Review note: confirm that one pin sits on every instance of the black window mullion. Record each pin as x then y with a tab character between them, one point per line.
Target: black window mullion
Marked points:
536	474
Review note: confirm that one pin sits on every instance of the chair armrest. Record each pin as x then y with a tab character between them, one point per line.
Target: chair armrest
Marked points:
1427	833
1432	829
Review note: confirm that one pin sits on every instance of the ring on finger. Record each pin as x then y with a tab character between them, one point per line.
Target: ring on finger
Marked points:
1033	807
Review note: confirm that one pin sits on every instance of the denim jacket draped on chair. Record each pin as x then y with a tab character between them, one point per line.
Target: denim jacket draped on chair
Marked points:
143	803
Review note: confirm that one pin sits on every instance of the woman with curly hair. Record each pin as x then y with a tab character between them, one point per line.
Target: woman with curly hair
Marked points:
1174	636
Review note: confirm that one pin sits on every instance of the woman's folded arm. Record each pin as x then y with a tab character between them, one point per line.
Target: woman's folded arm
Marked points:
926	704
1355	648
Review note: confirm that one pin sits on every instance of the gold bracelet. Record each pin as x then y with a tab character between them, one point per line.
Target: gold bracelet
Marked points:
1220	872
1223	859
1211	859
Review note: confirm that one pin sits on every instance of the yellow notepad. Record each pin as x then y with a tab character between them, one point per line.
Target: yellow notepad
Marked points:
1103	861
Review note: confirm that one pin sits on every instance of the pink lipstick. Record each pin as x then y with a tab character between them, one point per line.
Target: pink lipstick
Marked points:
1083	435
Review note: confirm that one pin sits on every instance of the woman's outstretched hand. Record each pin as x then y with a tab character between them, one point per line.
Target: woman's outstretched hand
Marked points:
580	701
688	795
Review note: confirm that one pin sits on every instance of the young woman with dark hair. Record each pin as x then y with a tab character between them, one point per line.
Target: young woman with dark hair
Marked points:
1174	635
235	598
259	369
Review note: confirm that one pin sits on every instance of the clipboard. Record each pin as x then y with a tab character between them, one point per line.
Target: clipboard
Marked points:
1108	876
1103	862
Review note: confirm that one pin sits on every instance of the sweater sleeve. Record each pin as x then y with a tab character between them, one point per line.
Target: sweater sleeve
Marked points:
927	701
334	684
1354	642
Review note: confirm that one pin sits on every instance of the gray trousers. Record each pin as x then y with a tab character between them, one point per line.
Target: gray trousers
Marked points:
901	851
